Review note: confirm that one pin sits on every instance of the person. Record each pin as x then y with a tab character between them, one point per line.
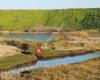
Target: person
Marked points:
39	51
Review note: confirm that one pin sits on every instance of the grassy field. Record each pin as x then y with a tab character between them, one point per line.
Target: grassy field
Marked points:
65	18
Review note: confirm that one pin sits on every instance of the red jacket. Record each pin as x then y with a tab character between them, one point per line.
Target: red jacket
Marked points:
39	51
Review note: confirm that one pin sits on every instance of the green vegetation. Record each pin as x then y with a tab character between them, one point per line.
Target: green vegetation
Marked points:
66	18
16	60
49	53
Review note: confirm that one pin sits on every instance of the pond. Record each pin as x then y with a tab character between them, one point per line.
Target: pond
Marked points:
29	37
56	62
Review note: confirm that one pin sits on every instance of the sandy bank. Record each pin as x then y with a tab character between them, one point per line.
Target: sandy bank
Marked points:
6	50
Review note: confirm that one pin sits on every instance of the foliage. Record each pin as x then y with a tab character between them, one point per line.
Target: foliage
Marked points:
66	18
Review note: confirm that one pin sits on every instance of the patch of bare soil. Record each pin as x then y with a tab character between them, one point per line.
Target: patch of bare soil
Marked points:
6	50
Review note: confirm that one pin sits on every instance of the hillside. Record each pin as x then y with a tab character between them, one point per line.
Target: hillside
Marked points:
66	18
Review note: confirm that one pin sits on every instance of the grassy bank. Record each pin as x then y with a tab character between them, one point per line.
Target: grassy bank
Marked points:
51	54
16	60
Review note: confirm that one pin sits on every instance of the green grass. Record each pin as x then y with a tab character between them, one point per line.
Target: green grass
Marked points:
49	53
16	60
66	18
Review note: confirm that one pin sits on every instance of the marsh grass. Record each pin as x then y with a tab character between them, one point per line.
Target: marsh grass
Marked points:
16	60
88	70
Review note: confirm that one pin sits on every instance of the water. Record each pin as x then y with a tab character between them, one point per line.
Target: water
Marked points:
46	63
29	37
56	62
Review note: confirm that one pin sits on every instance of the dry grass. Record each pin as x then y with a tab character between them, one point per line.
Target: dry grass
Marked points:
89	70
76	40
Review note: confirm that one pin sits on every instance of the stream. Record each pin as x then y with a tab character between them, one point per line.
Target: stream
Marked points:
46	63
56	62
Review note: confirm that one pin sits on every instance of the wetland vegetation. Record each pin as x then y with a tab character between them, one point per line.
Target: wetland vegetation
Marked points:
68	19
74	32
